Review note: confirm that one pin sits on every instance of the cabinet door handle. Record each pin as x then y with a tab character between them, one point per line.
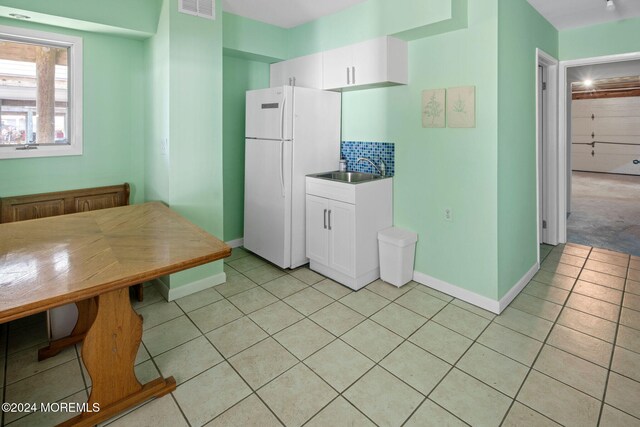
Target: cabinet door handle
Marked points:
329	219
289	81
294	81
325	219
353	75
348	77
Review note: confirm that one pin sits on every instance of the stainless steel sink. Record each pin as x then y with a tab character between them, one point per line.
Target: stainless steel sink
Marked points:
349	177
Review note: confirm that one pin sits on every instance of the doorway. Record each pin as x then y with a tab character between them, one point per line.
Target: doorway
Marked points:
546	147
569	72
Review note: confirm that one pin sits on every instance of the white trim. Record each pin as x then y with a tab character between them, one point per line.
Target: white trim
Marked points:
171	294
354	283
472	297
235	243
515	290
75	92
563	143
457	292
550	235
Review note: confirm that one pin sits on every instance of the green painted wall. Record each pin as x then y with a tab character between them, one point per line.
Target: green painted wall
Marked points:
600	40
113	127
157	118
435	168
125	17
253	39
365	21
444	168
239	75
520	31
184	108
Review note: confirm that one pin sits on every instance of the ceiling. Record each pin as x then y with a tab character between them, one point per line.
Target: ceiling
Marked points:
565	14
612	84
286	13
604	71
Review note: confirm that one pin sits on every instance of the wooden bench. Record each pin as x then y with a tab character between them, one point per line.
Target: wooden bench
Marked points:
33	206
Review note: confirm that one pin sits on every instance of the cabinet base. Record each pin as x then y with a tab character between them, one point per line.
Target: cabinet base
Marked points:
354	283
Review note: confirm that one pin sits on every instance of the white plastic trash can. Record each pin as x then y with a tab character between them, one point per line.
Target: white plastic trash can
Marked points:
397	248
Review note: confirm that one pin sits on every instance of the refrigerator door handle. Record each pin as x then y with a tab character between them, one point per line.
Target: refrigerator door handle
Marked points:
282	167
284	101
282	108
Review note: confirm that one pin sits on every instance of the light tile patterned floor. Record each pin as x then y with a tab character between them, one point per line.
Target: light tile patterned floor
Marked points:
274	347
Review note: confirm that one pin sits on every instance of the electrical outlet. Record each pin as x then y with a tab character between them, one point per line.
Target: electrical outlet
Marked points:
448	214
164	146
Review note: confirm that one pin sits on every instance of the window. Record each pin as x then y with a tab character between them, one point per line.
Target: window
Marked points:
40	94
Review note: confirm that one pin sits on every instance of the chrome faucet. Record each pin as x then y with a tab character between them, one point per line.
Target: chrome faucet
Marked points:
382	169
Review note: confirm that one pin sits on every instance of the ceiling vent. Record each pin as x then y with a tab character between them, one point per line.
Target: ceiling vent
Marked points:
202	8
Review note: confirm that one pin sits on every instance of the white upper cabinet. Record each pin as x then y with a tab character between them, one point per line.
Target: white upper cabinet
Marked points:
372	63
377	62
336	68
305	71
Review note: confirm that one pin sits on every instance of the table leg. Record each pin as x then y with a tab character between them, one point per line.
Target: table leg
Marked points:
86	314
109	353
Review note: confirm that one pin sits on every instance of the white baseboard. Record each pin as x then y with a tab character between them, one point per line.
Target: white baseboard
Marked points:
457	292
354	283
515	290
472	297
236	243
190	288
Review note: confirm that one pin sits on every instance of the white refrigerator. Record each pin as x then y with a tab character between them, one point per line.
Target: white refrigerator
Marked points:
290	132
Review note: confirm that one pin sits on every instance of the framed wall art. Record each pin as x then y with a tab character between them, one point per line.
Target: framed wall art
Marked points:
461	107
433	108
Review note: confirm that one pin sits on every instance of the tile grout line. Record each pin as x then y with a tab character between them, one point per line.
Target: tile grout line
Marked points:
390	301
224	360
593	336
80	365
584	333
450	302
613	349
540	351
453	365
299	361
394	349
307	317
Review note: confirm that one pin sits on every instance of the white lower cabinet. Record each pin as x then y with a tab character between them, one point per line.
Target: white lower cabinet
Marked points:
342	222
330	233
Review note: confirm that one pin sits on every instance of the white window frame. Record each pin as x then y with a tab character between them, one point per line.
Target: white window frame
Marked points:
74	105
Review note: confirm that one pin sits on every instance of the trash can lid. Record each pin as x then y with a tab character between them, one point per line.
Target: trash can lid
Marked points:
397	236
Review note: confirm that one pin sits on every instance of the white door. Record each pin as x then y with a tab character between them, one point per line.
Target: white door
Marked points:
269	113
336	67
317	231
342	237
267	200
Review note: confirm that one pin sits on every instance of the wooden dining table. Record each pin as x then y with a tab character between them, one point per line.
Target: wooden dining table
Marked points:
91	259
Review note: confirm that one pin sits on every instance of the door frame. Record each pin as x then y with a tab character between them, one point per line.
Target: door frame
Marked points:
563	169
548	144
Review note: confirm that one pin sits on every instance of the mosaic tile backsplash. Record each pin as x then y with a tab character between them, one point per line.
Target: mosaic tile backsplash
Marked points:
353	150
